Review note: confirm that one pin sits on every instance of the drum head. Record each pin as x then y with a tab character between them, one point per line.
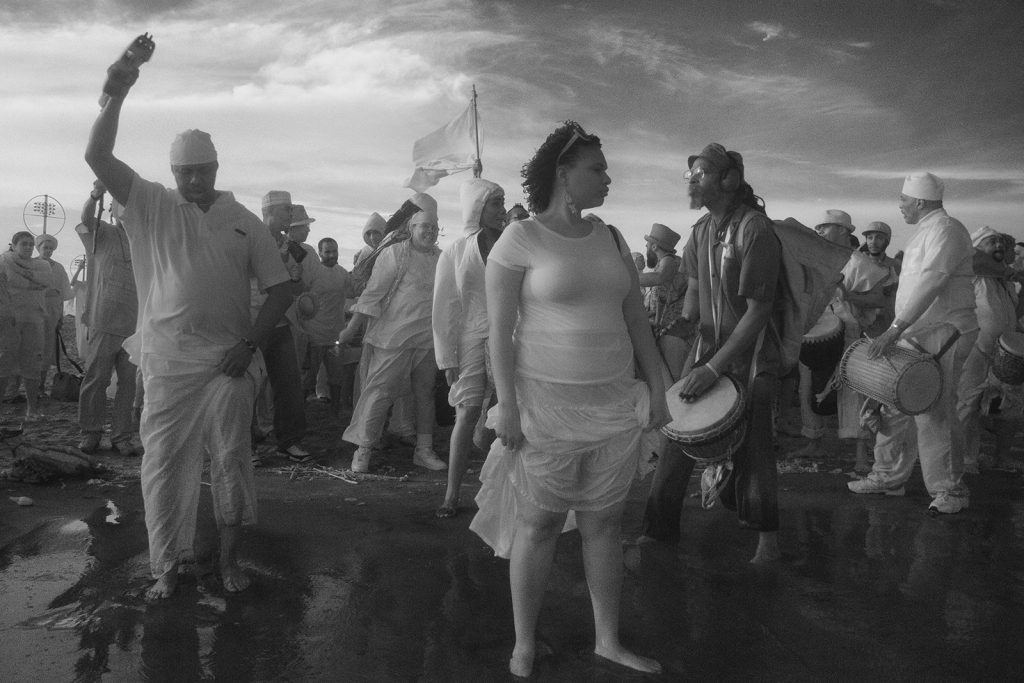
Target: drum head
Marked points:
918	387
1013	343
828	325
699	416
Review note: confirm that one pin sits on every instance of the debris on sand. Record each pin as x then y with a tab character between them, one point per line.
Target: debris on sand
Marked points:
38	466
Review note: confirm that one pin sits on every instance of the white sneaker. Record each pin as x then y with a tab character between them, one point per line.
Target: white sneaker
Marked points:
361	459
424	456
870	484
948	505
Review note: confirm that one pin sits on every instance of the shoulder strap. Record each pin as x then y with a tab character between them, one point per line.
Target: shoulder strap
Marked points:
615	236
63	348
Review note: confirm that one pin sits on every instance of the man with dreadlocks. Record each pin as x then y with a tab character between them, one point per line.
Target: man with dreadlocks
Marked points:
733	259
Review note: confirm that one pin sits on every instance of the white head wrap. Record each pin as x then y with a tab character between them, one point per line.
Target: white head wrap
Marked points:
923	186
473	194
192	147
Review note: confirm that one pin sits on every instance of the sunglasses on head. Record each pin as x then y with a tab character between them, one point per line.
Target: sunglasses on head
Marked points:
577	135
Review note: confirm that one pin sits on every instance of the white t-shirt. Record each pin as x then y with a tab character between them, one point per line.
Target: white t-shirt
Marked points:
570	328
193	269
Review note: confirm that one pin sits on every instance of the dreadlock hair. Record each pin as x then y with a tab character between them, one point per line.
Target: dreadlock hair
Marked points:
561	148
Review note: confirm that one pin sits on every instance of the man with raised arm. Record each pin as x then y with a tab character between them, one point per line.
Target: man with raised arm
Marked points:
193	250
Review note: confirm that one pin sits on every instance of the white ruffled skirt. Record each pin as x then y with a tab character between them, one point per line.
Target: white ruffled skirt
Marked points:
581	451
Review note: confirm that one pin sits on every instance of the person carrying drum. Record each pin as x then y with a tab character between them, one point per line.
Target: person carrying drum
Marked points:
935	312
998	309
822	348
733	244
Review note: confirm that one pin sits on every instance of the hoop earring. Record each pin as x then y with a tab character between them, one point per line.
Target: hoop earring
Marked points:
570	204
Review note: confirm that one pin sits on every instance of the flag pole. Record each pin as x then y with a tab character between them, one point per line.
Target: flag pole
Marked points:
479	166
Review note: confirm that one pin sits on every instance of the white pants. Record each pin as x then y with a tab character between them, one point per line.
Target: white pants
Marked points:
935	435
192	410
968	409
388	375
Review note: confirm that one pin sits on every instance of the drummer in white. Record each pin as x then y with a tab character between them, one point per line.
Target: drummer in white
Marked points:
997	310
934	305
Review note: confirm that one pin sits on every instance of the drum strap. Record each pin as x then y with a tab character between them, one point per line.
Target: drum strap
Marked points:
943	349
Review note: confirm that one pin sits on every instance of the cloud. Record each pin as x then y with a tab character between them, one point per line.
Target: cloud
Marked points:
770	31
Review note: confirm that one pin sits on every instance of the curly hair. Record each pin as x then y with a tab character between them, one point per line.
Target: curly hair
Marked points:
561	148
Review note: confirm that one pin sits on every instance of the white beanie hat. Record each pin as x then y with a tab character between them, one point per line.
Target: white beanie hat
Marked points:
192	147
923	186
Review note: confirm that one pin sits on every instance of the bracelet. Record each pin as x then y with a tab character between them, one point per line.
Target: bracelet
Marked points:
712	369
249	344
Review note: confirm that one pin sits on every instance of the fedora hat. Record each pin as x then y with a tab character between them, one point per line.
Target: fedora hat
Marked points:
663	236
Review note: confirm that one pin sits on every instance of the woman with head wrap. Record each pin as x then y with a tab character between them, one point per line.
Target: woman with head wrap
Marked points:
57	293
398	345
460	322
566	322
23	319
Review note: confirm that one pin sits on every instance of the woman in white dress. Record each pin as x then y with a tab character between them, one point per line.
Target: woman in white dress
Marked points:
566	321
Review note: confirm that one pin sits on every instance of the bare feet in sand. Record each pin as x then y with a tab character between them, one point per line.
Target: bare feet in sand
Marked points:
234	579
621	655
767	548
164	586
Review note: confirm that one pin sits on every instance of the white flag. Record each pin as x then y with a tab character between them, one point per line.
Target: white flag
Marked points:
449	149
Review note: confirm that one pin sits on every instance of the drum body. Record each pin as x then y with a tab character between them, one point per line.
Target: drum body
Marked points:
904	379
1008	360
714	426
823	344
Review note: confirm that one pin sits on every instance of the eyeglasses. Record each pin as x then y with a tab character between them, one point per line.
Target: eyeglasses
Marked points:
697	175
577	134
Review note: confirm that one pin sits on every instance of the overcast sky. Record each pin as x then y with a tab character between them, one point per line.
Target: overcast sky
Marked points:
831	103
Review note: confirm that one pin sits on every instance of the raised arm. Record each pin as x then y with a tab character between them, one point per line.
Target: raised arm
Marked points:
99	153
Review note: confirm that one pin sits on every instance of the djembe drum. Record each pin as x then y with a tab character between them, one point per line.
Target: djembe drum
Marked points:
713	426
909	381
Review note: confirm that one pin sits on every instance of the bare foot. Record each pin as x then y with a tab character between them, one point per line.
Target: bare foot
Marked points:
164	586
767	548
521	661
234	579
621	655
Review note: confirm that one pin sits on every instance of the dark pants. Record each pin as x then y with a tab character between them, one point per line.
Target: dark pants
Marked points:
283	373
753	486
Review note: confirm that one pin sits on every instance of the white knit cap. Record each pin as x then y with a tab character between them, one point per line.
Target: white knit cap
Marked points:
923	186
192	147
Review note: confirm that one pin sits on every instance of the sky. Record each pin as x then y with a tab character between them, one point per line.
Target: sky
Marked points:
830	103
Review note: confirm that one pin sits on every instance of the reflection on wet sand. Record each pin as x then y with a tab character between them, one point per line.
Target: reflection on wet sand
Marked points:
869	587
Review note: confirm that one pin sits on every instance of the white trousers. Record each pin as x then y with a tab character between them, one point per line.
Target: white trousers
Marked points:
935	435
388	375
193	410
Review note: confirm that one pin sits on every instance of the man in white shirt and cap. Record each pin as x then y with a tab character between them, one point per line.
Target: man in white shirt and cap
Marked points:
289	408
193	251
934	311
